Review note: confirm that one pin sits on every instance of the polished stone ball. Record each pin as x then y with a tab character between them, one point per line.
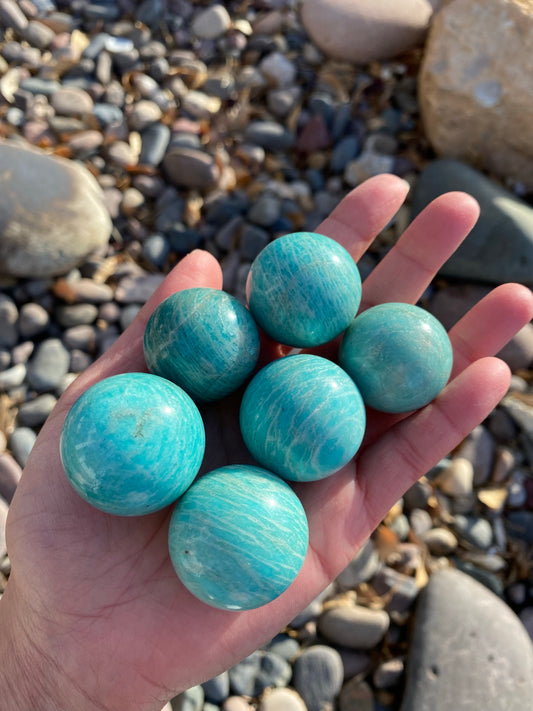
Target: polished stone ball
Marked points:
304	289
302	417
399	356
238	537
204	340
132	444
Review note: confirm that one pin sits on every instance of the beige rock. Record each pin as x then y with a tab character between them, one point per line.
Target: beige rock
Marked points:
458	477
362	31
52	213
282	700
475	86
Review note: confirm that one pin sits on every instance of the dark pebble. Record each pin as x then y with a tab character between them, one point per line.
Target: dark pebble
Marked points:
155	140
520	525
216	690
190	168
318	677
346	150
400	590
253	240
257	672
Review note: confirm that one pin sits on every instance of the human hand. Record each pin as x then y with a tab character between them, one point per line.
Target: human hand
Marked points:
94	616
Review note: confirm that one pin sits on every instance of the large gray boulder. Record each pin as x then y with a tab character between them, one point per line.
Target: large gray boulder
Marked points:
500	247
52	213
469	650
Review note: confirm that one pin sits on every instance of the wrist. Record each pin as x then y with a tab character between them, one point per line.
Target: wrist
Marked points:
30	680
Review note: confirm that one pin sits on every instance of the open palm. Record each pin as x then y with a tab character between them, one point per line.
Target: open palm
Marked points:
93	607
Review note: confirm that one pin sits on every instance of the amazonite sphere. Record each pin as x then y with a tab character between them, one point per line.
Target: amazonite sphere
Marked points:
238	537
302	417
304	289
204	340
399	355
132	444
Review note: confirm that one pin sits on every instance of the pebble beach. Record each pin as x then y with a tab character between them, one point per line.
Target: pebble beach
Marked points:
141	130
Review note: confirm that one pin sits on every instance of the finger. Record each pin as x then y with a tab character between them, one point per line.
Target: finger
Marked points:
490	324
198	268
427	243
408	450
364	212
344	509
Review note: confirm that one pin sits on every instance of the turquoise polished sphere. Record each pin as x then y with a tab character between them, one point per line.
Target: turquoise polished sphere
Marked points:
204	340
302	417
304	289
399	355
238	537
132	444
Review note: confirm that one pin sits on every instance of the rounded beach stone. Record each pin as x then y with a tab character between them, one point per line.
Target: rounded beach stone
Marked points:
211	23
238	537
48	365
318	676
399	356
290	420
132	444
204	340
259	671
51	211
355	627
463	637
33	413
366	30
33	320
282	700
304	289
191	168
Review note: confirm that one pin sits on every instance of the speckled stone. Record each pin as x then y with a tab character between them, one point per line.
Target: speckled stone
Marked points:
35	189
132	444
290	420
399	356
304	289
468	650
238	537
204	340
